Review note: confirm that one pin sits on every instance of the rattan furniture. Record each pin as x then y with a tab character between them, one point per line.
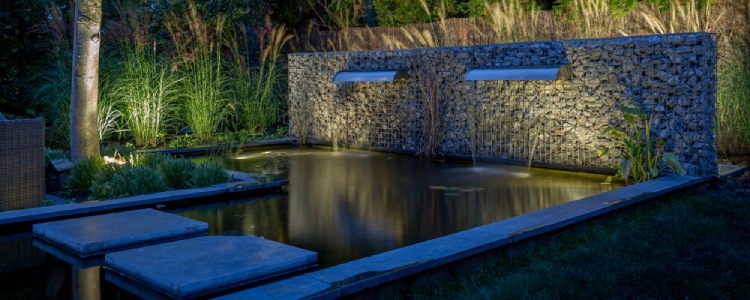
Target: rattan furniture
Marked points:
21	164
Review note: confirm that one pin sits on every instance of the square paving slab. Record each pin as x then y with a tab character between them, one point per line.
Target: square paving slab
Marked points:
100	234
203	265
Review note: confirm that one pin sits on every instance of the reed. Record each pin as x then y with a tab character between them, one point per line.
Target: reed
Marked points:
148	91
258	89
202	88
51	80
429	96
510	22
733	103
679	17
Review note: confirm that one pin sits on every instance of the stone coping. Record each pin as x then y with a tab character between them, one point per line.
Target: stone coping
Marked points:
355	276
200	151
99	234
246	183
198	266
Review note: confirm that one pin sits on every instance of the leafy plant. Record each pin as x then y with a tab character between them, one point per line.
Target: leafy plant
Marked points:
135	181
176	172
642	157
208	173
52	154
117	150
82	174
101	183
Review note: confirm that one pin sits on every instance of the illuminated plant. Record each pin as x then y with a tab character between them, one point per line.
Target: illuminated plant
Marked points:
642	157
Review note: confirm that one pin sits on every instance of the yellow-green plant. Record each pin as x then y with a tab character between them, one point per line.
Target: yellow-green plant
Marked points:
147	90
511	22
258	91
82	175
643	156
202	90
208	173
682	16
135	181
733	102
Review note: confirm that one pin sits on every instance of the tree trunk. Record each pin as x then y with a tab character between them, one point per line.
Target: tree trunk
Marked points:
84	134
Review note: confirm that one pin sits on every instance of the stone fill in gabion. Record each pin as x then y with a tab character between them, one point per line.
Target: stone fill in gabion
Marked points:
562	122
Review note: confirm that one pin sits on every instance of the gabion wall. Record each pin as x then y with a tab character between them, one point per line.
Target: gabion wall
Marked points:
555	123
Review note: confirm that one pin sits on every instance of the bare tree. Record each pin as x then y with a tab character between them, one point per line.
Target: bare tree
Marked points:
84	135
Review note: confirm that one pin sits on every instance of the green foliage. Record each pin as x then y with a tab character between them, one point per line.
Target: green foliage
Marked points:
478	8
135	181
398	13
52	154
176	172
83	173
148	91
137	174
258	91
733	101
643	157
101	185
23	41
693	245
203	94
150	160
185	141
118	150
665	4
208	173
51	83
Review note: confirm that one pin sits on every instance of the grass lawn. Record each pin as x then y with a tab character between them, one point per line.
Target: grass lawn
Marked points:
692	245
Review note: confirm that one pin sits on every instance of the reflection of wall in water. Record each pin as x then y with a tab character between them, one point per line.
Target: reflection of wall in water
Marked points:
359	205
266	218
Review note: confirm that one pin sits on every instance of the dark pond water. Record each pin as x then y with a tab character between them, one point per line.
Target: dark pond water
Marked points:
342	205
352	204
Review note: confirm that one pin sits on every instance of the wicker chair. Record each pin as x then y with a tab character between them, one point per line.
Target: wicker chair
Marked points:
21	164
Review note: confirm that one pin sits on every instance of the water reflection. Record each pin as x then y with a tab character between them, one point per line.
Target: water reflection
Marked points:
27	271
347	205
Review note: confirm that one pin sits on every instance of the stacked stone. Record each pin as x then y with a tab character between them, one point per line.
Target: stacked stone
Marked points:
670	77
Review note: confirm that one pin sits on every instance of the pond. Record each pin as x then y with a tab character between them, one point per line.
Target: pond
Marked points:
343	205
351	204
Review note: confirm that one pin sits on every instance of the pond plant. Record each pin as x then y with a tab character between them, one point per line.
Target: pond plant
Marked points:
642	156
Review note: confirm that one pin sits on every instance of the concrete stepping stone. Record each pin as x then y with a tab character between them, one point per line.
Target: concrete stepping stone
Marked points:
94	235
204	265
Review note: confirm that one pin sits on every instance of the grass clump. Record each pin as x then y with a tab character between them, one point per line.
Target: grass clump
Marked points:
83	173
693	246
137	174
135	181
176	172
208	173
52	154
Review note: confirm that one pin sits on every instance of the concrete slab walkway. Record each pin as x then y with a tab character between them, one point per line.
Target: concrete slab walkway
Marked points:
203	265
94	235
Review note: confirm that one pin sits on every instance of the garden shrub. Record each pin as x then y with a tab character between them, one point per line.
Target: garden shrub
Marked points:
208	173
82	174
52	154
398	13
136	181
176	172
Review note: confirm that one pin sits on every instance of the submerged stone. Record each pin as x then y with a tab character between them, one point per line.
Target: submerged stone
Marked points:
203	265
100	234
